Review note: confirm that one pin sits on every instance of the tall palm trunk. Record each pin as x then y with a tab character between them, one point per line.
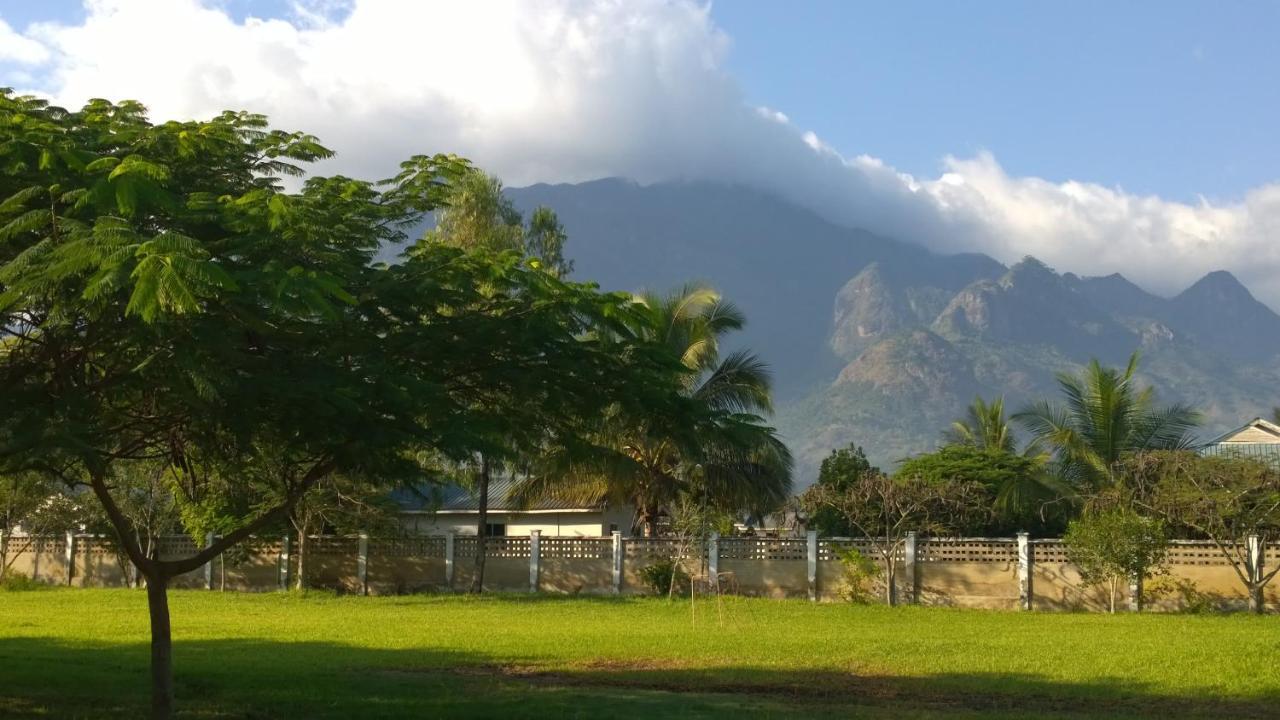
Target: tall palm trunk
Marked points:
482	527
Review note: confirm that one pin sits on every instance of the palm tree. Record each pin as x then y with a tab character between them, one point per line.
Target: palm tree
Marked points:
1105	416
718	451
1024	495
984	426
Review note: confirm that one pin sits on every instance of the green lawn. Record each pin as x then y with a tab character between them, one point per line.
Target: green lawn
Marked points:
83	653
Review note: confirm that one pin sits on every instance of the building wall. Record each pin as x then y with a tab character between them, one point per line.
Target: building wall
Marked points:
560	524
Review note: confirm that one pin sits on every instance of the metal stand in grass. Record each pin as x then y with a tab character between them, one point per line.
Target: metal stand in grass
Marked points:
692	526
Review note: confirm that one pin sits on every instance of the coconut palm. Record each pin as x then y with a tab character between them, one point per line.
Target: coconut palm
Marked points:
718	451
1030	490
1105	415
984	426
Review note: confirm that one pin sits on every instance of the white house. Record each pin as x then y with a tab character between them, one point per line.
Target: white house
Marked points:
1257	438
438	510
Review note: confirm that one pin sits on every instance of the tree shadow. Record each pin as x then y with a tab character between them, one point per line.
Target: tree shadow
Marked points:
240	678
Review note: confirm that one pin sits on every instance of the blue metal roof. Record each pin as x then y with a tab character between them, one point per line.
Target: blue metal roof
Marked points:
457	498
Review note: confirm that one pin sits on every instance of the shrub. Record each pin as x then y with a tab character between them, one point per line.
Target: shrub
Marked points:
17	582
658	577
860	573
1111	546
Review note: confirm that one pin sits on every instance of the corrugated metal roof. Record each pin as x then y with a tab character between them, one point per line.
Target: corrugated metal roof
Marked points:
1267	452
456	498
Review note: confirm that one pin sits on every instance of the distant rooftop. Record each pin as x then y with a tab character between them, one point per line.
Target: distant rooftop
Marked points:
456	498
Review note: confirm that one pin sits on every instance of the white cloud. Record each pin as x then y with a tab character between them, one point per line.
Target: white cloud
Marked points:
570	90
19	49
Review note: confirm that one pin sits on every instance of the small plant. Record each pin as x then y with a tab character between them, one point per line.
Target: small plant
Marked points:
17	582
1189	597
1115	545
659	575
860	573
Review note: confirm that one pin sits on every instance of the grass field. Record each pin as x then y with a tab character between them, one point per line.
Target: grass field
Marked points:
83	653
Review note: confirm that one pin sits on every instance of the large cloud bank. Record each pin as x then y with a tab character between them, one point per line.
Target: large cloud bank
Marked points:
570	90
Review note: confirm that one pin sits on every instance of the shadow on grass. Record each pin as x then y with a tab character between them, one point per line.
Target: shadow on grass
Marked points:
48	678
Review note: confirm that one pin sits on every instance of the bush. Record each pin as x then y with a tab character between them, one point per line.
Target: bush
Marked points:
17	582
860	573
658	577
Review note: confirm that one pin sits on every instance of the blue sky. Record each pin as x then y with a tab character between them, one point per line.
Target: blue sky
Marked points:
1099	136
1176	98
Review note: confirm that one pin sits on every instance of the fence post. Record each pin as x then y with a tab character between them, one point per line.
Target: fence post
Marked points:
535	537
208	567
812	572
362	563
617	562
71	556
284	563
1025	559
713	560
1254	553
448	560
909	568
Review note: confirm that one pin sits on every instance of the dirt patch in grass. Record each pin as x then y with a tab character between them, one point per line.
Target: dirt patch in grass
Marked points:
954	693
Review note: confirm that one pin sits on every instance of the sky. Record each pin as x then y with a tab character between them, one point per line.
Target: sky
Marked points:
1100	137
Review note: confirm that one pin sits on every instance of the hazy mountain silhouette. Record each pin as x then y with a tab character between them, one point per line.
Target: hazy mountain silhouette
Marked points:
881	342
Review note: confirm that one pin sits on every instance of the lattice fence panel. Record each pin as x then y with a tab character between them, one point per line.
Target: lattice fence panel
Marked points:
763	549
95	546
645	549
1049	551
943	550
578	548
464	546
406	547
1195	552
177	546
827	547
332	545
507	547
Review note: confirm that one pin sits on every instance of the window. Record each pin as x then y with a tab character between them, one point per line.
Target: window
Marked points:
495	529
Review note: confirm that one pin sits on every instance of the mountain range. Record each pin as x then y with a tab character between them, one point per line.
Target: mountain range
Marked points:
880	342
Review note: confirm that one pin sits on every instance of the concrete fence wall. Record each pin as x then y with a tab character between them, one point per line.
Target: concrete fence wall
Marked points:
998	573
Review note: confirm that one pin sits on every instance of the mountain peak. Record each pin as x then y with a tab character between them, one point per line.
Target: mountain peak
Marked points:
1219	284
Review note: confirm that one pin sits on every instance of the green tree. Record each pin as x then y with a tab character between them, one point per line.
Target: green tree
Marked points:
984	427
22	496
1025	495
716	446
838	471
884	509
1103	417
165	299
1223	499
1116	546
477	217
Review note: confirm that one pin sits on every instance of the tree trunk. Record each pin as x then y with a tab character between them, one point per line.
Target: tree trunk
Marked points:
482	527
161	648
301	583
649	521
890	581
1257	603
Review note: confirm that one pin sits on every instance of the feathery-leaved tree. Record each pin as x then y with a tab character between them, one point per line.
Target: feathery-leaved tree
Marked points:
163	298
718	447
1103	416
